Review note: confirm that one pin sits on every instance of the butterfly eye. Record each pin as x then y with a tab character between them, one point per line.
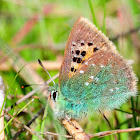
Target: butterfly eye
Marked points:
54	95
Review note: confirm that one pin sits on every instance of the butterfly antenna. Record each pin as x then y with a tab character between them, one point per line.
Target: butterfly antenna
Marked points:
24	86
40	63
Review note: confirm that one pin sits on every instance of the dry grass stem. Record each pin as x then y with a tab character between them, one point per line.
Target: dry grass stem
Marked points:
49	65
2	94
55	134
75	130
106	133
2	135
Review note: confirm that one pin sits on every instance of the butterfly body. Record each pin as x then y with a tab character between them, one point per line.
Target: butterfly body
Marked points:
93	75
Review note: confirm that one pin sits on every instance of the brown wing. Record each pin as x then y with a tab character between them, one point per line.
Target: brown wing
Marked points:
84	40
93	75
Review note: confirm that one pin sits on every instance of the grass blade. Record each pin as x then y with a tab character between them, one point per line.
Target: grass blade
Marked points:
16	115
92	12
104	18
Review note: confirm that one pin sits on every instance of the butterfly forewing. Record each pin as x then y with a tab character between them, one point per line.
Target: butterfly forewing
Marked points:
84	40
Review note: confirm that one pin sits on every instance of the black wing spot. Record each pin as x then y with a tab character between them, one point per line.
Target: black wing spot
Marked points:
75	70
82	43
79	60
77	52
83	53
72	52
95	49
83	61
74	59
90	44
72	69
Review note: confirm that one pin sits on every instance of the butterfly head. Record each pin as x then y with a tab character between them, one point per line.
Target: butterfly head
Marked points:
53	97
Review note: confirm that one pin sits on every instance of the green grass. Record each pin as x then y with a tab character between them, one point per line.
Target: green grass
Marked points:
53	30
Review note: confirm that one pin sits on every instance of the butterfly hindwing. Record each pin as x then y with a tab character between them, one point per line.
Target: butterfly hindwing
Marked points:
104	82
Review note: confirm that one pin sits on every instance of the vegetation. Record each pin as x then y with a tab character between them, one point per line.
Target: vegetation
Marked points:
31	30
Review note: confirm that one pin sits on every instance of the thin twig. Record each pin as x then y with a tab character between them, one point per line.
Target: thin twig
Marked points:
136	111
100	134
55	134
106	133
103	115
26	127
29	123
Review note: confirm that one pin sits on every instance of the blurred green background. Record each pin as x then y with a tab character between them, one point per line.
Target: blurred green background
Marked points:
39	29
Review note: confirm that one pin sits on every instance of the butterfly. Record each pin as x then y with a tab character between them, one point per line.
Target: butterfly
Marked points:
93	75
